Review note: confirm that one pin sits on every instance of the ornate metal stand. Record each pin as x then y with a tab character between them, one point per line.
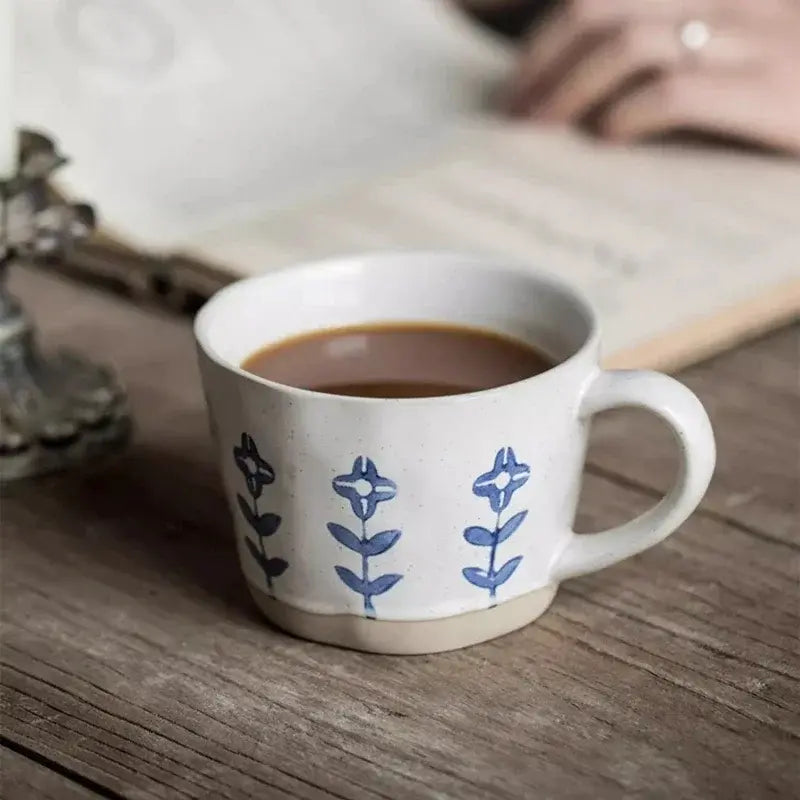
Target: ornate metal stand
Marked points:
57	410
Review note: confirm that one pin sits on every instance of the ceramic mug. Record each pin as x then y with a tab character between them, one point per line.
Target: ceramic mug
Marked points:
421	525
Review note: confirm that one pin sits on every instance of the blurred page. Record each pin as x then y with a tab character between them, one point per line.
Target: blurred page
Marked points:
184	114
656	236
254	133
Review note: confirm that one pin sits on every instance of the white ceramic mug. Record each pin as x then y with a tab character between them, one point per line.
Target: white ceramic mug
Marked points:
419	525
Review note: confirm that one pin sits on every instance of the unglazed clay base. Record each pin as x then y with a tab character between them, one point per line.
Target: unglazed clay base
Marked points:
407	637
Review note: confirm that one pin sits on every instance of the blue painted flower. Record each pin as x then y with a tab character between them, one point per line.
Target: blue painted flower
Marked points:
500	483
257	472
364	488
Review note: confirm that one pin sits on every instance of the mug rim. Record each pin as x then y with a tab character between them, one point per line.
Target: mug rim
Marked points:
500	264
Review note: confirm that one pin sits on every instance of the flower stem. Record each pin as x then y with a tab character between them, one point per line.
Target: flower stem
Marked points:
492	554
261	547
369	609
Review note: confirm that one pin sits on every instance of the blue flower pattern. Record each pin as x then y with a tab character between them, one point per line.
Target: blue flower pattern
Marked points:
498	485
258	474
364	488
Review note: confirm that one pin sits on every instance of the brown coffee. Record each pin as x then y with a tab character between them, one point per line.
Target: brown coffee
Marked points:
397	360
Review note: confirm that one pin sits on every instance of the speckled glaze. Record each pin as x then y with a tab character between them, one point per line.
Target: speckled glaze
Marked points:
449	510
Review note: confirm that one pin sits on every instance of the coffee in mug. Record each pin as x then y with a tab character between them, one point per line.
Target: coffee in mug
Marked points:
398	360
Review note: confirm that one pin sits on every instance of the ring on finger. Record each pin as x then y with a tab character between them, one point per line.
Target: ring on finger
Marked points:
694	36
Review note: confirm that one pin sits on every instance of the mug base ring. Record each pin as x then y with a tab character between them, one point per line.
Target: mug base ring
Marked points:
406	637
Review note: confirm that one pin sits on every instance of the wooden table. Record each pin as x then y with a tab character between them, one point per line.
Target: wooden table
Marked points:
135	665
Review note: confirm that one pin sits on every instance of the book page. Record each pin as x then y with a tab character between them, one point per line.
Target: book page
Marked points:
658	237
180	115
256	133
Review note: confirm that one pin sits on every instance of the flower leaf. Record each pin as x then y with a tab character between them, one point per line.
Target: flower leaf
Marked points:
506	571
275	567
477	577
380	542
267	524
254	551
511	525
482	537
346	537
350	579
382	584
247	512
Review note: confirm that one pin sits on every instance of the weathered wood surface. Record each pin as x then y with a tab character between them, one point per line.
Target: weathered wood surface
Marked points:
134	661
27	777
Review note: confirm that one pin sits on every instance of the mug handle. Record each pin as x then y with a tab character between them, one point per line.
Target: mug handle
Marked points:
687	418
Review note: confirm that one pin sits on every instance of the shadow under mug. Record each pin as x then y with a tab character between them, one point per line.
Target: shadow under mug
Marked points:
422	525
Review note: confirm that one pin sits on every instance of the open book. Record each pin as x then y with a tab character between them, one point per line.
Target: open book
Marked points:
222	140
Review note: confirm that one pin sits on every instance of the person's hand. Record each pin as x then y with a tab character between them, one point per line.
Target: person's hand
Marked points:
640	68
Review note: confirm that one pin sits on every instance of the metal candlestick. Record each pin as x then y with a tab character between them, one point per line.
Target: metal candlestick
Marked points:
56	410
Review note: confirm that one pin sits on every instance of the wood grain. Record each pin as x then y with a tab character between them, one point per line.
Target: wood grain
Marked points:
142	676
24	778
133	658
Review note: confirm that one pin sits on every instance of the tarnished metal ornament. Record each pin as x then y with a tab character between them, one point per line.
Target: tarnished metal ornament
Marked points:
56	410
